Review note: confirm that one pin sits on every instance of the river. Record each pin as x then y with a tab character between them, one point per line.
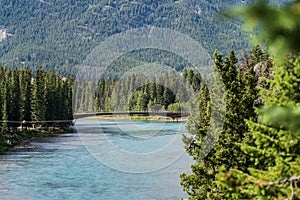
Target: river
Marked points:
106	159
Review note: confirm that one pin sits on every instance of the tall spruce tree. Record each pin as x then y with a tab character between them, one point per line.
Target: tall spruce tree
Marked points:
2	84
26	91
201	183
6	101
15	108
39	103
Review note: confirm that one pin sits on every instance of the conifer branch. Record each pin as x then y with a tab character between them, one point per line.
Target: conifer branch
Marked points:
291	179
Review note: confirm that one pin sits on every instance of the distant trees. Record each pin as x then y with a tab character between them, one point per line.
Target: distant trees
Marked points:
137	92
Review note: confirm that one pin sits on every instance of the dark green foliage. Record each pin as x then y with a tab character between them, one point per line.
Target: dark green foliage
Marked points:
196	82
15	108
43	99
136	92
197	187
39	103
240	98
275	149
190	76
25	96
60	34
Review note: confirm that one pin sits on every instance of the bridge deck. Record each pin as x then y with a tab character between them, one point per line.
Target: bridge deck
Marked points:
172	115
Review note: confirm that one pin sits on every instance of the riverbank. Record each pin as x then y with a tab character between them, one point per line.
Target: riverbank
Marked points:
18	139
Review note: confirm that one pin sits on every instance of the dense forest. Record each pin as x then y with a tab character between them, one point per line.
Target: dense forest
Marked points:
167	90
60	34
28	101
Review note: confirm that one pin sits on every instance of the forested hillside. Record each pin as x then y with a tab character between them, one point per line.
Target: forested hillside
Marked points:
59	34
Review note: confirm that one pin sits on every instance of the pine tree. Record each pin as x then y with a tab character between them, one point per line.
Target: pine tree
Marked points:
142	101
14	104
169	97
69	101
152	89
6	101
275	150
50	95
26	91
197	184
190	76
39	103
160	93
185	73
196	82
2	83
201	183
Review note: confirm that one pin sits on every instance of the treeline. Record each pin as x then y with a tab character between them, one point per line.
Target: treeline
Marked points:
167	90
27	100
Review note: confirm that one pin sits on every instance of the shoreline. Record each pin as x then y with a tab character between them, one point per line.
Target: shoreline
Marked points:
20	139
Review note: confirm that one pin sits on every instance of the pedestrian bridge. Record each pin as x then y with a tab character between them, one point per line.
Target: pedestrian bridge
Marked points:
173	115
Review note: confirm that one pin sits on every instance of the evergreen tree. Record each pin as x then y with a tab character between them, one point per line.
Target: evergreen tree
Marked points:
275	150
195	184
152	89
15	95
201	183
6	101
69	103
26	91
100	95
50	95
58	96
2	84
39	102
196	82
160	94
190	76
185	73
142	101
169	97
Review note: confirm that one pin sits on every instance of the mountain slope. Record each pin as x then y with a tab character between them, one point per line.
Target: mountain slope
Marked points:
61	33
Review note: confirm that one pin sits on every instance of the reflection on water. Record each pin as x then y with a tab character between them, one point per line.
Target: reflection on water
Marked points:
62	167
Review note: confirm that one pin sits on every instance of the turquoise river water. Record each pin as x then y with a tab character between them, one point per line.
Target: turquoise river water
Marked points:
105	160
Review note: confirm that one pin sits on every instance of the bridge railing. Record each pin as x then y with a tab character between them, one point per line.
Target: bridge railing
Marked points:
145	113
